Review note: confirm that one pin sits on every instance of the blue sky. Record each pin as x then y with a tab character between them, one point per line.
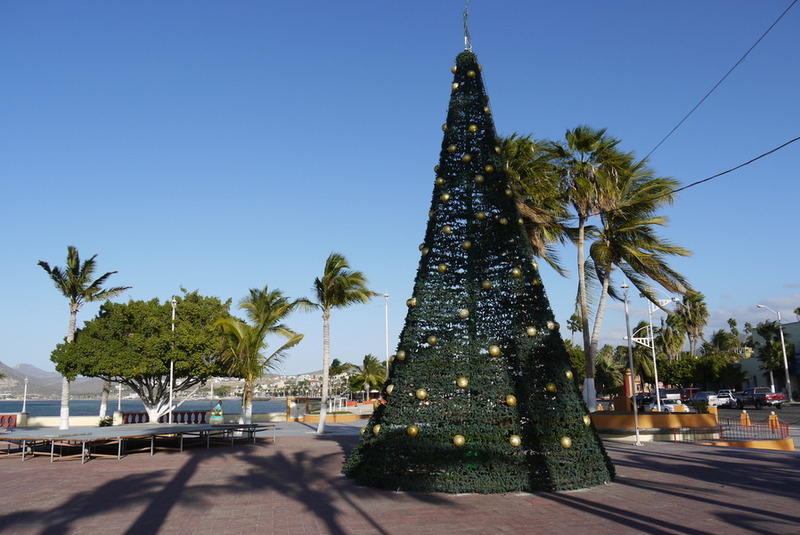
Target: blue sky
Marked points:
222	146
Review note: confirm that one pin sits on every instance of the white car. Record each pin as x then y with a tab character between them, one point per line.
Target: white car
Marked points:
669	405
725	399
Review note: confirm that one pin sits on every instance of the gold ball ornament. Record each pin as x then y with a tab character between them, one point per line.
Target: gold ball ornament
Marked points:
442	268
497	149
494	351
363	431
487	110
471	74
401	355
569	375
454	86
520	221
444	127
479	179
503	221
480	216
587	420
486	285
431	213
516	272
466	244
445	197
466	158
531	331
412	430
412	302
421	393
551	325
439	181
452	148
425	251
376	429
473	128
389	389
459	440
511	400
432	340
489	169
454	69
550	387
566	442
376	404
515	440
462	382
447	229
536	282
535	264
463	313
509	192
435	168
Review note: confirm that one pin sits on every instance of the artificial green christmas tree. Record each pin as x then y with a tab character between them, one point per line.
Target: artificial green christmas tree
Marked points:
480	395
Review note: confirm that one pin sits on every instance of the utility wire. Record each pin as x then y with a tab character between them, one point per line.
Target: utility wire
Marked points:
722	80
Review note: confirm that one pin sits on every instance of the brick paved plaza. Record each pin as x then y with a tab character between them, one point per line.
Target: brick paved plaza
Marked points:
293	487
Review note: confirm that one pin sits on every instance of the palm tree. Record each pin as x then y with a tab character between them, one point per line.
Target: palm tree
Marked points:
694	315
586	163
338	287
671	336
540	195
627	239
370	374
246	342
74	281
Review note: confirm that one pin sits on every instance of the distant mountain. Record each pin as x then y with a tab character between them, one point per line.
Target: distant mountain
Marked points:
41	384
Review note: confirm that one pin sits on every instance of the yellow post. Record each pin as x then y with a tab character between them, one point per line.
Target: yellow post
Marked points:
773	421
744	418
715	412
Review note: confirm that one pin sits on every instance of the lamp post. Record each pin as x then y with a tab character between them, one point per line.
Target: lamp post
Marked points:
649	341
171	361
783	348
630	363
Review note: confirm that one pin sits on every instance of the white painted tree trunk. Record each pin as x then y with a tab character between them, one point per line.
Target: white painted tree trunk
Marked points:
326	365
104	399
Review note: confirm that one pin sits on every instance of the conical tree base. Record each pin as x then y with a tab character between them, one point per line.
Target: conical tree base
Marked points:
480	396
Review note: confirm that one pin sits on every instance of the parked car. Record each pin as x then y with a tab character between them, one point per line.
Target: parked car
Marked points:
668	405
669	393
726	399
687	393
643	400
760	396
725	391
705	396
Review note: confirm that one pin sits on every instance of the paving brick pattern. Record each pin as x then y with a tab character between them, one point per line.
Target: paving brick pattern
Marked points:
294	487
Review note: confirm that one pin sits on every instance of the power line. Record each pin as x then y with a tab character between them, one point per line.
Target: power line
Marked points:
721	80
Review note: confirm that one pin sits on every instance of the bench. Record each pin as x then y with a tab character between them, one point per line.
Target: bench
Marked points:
178	417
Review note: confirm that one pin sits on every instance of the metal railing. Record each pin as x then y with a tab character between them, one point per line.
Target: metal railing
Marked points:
732	430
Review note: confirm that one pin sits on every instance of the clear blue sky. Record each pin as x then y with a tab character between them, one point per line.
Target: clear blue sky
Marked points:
221	146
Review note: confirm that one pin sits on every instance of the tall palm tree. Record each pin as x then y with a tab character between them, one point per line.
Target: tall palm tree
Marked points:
586	163
671	336
74	281
626	239
245	343
338	287
370	374
694	315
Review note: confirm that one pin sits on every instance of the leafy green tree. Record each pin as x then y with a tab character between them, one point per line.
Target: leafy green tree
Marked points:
74	281
671	337
246	343
770	350
133	344
609	376
371	374
680	372
339	287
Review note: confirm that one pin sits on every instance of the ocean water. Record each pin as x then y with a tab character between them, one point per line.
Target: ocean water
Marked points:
92	407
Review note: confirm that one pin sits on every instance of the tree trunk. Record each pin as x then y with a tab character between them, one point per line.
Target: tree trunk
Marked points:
326	364
104	399
64	412
247	404
589	391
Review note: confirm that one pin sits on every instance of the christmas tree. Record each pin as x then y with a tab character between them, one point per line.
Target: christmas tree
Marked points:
480	396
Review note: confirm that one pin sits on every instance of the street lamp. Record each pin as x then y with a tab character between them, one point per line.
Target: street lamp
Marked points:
171	361
783	348
630	363
649	341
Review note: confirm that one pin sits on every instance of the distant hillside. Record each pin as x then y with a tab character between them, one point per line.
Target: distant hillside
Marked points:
41	384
